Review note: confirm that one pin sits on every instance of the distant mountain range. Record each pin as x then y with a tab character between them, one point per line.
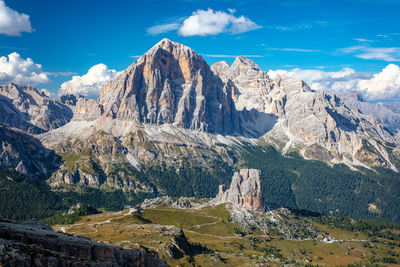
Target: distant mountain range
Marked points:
388	114
170	114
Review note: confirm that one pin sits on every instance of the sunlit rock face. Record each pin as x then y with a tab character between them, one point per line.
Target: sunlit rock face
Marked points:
171	84
316	124
245	191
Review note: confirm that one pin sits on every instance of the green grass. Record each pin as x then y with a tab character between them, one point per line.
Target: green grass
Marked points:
132	218
179	218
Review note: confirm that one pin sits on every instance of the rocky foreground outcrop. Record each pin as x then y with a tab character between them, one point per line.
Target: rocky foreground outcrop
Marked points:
245	191
35	245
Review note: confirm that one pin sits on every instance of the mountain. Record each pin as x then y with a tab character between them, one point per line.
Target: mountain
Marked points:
172	125
170	84
26	154
386	113
25	108
313	123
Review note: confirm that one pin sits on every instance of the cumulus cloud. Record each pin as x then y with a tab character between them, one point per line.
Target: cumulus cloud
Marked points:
210	22
13	23
16	69
389	54
384	85
207	22
90	83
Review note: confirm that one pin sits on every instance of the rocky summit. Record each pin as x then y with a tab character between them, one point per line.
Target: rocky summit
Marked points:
170	84
245	191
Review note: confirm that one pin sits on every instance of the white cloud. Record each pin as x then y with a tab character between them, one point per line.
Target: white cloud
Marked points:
293	50
210	22
157	29
229	56
13	23
363	40
16	69
389	54
206	22
301	26
384	85
90	83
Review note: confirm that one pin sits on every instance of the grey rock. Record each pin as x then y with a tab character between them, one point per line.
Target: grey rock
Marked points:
26	154
27	245
245	191
26	108
170	84
388	114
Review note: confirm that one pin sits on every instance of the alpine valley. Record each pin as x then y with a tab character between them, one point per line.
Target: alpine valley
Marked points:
171	125
163	141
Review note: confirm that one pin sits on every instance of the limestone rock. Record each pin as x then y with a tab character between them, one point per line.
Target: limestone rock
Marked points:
245	191
171	83
386	114
87	109
308	118
25	108
219	68
26	154
30	245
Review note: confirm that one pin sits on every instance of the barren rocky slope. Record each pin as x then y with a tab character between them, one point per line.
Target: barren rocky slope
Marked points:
387	114
26	108
314	123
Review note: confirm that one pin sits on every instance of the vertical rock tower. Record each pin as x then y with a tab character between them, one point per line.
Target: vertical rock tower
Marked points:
245	191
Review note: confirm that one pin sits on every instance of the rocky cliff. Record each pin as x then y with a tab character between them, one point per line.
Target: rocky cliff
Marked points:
314	123
169	105
35	245
25	108
388	114
171	84
245	191
26	154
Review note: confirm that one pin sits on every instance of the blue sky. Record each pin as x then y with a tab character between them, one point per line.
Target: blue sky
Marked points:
69	37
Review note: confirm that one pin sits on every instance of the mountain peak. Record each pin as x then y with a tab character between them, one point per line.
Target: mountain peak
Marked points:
242	61
171	83
171	47
219	68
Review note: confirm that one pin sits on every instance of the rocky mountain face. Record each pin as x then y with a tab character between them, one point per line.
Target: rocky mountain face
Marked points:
245	191
36	245
386	114
171	100
26	154
170	84
314	123
170	104
25	108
